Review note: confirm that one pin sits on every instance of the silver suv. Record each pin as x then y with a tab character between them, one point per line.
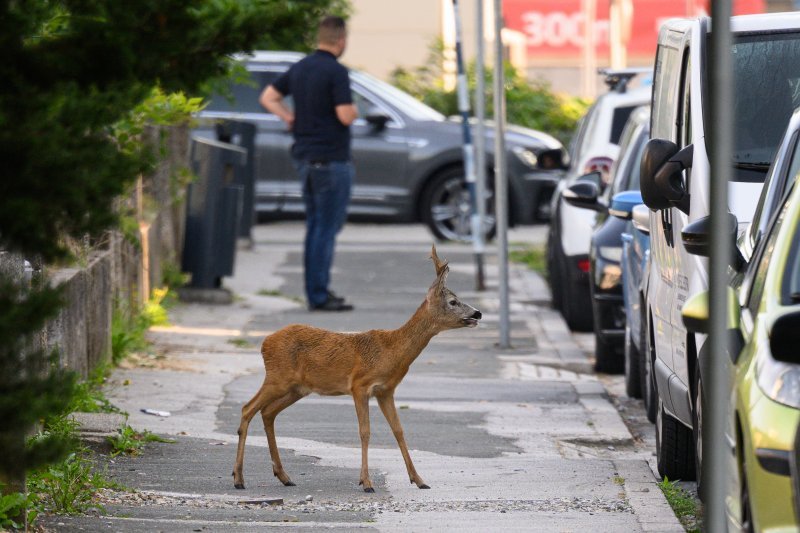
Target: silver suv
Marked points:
408	157
593	150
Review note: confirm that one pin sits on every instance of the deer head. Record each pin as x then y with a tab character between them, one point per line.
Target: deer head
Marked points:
446	309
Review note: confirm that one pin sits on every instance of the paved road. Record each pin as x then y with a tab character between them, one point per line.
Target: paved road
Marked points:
519	439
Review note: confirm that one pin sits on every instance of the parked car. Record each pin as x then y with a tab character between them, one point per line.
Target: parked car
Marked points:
408	157
675	181
766	374
605	249
594	148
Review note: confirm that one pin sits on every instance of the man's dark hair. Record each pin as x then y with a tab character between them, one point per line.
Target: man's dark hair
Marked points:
331	29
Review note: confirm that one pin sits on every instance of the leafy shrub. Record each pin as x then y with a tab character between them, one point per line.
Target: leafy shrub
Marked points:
530	104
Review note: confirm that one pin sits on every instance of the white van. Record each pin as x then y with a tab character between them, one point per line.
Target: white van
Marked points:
675	181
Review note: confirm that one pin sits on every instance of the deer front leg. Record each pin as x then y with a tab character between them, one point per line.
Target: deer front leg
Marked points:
248	412
386	403
361	399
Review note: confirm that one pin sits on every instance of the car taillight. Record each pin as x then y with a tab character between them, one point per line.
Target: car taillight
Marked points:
583	265
601	165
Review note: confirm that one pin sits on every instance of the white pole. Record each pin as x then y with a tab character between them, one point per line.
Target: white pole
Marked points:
500	178
480	133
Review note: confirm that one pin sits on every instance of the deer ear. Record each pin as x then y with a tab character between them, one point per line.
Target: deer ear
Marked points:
441	266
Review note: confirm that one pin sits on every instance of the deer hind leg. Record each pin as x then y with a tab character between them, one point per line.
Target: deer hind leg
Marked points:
386	403
265	395
268	415
361	399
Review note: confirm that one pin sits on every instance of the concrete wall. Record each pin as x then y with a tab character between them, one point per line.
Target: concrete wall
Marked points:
114	274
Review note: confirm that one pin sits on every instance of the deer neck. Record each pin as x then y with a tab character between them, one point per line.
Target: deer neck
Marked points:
413	336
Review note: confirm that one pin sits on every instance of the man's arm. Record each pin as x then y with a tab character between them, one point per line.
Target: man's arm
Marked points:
346	113
272	100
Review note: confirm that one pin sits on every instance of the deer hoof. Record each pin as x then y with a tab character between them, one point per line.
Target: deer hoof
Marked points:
239	485
369	489
289	483
424	486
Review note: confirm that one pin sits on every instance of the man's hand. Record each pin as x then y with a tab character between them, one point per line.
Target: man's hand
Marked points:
272	100
346	113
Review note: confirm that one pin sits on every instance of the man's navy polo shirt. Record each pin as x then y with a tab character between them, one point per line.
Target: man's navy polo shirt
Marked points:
318	83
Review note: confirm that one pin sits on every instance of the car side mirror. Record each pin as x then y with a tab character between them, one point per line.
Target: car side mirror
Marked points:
377	118
661	176
784	336
695	317
551	160
622	204
583	193
697	238
641	218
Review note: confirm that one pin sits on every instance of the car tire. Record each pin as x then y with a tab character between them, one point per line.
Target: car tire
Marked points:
576	304
697	426
674	447
607	358
633	374
745	506
445	207
554	271
649	392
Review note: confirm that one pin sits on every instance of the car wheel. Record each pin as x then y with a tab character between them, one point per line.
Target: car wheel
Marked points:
576	304
633	378
554	273
674	447
446	207
606	357
697	426
747	511
649	393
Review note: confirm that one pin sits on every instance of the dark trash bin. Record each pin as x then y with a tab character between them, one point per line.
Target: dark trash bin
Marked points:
213	212
242	134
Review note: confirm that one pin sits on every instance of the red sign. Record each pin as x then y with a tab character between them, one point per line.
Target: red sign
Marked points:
555	30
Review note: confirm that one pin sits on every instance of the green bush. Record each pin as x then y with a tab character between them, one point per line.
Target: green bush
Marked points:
529	104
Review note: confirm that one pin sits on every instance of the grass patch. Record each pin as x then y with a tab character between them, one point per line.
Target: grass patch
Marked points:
240	343
683	504
269	292
618	480
132	442
89	397
534	257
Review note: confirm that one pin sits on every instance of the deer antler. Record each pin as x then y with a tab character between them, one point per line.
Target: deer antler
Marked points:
441	266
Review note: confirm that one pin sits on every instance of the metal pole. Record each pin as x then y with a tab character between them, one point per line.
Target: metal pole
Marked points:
716	381
469	152
500	183
480	135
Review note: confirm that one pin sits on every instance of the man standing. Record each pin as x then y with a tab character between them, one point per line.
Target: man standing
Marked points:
320	124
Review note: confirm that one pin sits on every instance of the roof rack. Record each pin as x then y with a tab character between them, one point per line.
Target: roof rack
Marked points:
617	79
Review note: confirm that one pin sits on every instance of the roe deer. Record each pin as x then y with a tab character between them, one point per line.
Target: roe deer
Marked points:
302	359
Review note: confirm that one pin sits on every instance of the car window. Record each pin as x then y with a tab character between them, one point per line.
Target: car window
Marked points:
772	193
757	288
790	293
766	70
618	121
665	90
243	97
402	101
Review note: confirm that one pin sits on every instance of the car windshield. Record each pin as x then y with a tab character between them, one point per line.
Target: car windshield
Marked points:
404	102
766	71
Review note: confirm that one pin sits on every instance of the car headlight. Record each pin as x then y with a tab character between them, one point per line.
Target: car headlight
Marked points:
526	156
779	381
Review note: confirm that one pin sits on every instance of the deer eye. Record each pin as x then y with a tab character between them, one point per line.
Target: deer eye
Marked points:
453	302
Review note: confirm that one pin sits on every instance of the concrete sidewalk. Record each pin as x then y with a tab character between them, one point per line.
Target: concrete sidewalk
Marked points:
520	439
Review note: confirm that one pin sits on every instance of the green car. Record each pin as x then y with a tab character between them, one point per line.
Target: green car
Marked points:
765	372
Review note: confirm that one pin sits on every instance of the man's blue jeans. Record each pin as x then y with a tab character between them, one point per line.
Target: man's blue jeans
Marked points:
326	192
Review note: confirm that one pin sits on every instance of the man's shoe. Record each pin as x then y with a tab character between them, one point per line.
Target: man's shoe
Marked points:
331	305
333	296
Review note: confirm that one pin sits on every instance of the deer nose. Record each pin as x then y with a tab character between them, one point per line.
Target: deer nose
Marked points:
476	315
